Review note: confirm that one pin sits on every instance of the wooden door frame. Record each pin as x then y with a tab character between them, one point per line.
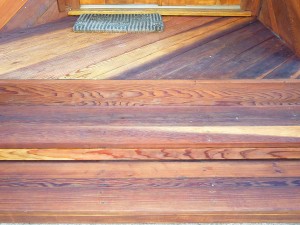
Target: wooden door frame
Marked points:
249	8
67	5
253	5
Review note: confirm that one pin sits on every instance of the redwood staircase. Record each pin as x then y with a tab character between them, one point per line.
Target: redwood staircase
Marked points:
83	151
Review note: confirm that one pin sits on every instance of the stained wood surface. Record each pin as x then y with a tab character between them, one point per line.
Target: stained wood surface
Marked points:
201	2
153	191
164	2
253	5
8	9
150	93
188	119
104	118
33	13
150	151
283	18
182	11
142	154
190	48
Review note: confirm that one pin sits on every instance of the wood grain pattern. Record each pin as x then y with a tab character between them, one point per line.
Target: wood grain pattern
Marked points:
153	115
145	117
9	8
163	154
73	4
253	5
34	13
164	2
182	11
186	126
61	5
140	170
142	93
190	48
133	64
149	151
283	18
60	136
201	2
120	191
92	45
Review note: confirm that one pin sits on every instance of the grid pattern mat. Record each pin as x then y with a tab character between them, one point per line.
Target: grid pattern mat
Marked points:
119	23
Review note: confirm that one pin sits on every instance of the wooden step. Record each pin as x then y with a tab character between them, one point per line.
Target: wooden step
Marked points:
149	120
149	151
259	93
149	133
259	191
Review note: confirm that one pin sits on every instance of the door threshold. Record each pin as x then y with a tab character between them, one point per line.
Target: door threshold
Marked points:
163	10
154	6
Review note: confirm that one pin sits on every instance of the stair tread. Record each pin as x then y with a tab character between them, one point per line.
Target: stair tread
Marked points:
154	190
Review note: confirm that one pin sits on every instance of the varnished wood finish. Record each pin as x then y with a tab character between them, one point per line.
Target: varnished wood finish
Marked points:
89	116
190	48
73	4
61	5
253	5
162	154
150	118
201	2
165	11
153	191
9	8
33	13
154	150
201	7
283	18
150	93
164	2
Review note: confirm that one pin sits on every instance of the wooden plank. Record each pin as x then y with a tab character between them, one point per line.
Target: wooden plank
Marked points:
283	18
72	4
186	45
8	9
27	123
252	5
273	18
204	62
209	217
61	5
142	93
152	115
40	131
137	192
164	2
33	13
163	11
82	44
200	2
62	136
294	17
135	65
289	69
85	2
52	135
163	154
126	170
